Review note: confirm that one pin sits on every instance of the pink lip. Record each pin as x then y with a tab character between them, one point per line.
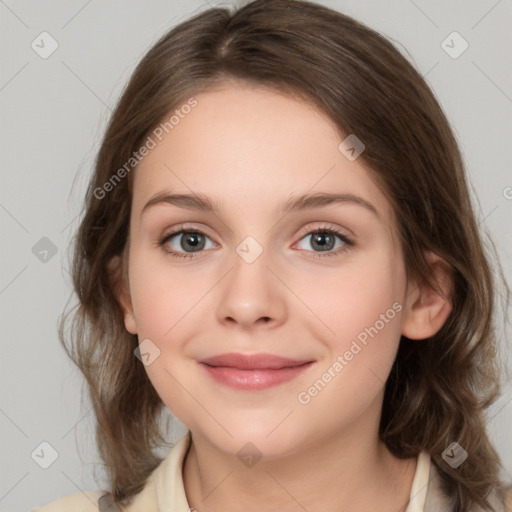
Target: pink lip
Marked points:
253	372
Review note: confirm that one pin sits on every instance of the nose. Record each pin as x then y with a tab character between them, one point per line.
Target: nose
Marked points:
252	294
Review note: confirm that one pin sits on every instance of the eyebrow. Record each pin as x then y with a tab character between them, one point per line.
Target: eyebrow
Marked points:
201	202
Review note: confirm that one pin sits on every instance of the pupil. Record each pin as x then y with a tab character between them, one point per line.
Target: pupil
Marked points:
327	241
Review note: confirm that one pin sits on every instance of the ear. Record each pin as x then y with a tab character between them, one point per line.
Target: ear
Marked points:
121	289
426	310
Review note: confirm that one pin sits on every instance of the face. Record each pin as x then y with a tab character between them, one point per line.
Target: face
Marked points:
322	285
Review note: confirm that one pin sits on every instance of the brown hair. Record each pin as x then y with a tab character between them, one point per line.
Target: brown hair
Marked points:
439	388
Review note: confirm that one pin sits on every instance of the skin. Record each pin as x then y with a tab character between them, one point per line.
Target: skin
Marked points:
250	149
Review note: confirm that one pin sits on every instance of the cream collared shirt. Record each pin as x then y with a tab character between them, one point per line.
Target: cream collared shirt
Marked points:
164	490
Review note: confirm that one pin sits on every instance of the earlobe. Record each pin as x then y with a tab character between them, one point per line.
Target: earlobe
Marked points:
426	310
120	287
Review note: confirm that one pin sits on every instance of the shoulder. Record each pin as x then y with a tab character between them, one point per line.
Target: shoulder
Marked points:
509	500
78	502
438	499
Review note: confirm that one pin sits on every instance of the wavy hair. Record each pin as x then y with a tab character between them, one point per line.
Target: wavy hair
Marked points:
438	389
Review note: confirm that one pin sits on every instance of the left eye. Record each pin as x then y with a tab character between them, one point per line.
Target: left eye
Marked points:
324	240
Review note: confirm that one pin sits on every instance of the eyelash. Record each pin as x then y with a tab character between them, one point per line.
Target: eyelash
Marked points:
318	255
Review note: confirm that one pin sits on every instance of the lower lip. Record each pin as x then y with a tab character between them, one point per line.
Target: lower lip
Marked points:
254	380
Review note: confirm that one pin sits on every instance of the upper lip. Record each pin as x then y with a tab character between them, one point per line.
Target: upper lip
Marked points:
252	361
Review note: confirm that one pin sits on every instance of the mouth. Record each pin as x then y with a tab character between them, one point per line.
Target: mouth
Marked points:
253	372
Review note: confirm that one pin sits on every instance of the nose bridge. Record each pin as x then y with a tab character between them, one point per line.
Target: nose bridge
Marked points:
250	250
251	272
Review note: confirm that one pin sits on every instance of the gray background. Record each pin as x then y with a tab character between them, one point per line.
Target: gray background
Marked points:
53	114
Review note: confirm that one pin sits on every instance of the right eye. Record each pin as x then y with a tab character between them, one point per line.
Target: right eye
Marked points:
184	239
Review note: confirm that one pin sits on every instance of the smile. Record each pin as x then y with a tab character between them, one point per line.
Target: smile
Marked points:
253	372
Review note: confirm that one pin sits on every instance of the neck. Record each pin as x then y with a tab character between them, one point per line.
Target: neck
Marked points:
347	470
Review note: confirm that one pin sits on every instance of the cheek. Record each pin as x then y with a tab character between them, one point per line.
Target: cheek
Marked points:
163	307
354	297
161	299
362	307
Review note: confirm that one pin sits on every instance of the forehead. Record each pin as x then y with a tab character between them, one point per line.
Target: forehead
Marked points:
250	147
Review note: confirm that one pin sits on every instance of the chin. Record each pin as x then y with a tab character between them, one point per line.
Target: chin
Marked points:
264	436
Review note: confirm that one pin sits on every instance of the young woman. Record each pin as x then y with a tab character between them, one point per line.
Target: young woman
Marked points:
279	248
